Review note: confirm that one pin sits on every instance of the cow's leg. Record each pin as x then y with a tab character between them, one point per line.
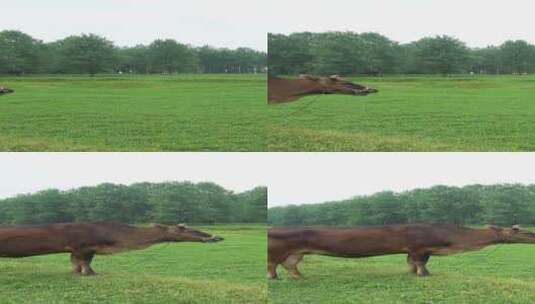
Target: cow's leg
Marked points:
272	270
84	262
412	266
76	266
290	264
420	260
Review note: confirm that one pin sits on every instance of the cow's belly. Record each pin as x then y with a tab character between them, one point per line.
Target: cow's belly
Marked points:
354	252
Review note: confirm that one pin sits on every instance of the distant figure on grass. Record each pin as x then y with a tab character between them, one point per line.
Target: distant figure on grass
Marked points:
84	240
286	90
4	90
287	246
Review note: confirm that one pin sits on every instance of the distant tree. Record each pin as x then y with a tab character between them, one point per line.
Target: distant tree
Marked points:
172	57
341	53
19	53
381	55
508	204
289	54
487	60
442	55
89	54
502	204
518	56
133	60
169	203
251	206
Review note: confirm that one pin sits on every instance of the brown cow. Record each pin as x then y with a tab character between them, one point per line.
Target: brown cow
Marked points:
286	246
286	90
4	90
84	240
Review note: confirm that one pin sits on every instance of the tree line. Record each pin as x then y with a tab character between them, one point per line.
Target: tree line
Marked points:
500	204
350	53
91	54
165	203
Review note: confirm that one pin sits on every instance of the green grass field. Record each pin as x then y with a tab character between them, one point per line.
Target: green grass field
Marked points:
229	113
461	113
134	113
503	274
232	271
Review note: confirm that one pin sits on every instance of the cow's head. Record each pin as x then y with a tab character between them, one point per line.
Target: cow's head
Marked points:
183	233
514	234
337	85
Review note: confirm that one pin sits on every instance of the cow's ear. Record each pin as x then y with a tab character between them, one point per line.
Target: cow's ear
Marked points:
308	77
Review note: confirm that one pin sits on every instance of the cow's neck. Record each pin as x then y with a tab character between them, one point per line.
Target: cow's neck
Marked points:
290	90
478	238
305	87
145	237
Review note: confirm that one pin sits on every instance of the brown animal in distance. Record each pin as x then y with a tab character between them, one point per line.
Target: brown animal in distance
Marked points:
84	240
287	246
282	90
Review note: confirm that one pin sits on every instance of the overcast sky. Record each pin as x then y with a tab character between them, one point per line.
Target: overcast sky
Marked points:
292	178
30	172
245	22
320	177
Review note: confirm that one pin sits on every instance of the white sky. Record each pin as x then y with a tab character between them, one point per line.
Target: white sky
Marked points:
245	22
292	178
319	177
30	172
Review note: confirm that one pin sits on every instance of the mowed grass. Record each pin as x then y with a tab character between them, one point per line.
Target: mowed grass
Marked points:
425	113
134	113
232	271
499	274
229	113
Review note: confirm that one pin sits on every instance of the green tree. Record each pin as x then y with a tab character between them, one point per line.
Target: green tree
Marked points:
442	55
171	57
291	54
507	205
19	53
89	54
518	56
133	60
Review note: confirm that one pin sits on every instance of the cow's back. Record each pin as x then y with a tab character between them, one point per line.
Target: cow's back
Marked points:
23	241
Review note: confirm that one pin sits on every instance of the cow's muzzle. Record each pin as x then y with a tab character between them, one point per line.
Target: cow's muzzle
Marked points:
213	239
365	91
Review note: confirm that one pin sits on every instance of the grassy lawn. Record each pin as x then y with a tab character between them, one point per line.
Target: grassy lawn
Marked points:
229	113
134	113
461	113
503	274
232	271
